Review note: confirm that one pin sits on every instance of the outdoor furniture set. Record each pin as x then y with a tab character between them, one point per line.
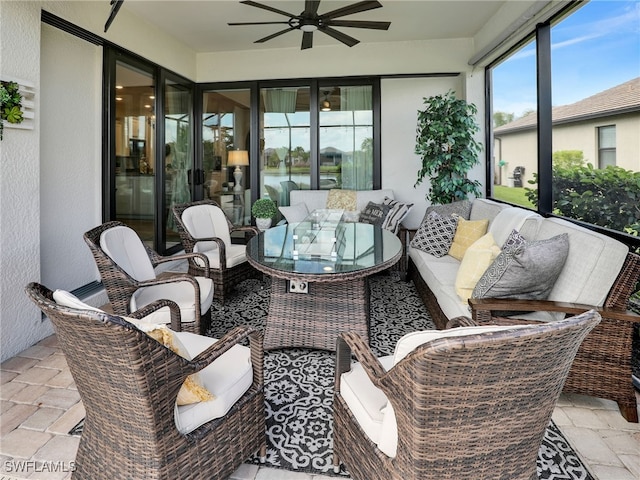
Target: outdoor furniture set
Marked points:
174	404
549	269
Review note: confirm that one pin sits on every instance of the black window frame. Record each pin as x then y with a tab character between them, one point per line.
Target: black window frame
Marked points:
542	35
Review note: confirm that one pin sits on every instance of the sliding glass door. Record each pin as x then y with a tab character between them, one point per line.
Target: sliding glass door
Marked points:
285	142
149	153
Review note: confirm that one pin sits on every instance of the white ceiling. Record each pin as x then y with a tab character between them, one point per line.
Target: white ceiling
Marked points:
202	25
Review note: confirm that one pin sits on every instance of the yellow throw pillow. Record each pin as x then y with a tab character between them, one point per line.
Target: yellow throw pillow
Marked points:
475	262
192	390
467	232
342	200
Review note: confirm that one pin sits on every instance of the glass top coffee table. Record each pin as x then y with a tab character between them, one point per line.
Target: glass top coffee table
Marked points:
319	269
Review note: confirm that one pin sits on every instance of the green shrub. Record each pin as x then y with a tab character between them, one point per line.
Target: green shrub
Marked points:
264	208
608	197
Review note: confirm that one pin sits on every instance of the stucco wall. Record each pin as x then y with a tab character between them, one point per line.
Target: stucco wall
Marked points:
20	320
70	167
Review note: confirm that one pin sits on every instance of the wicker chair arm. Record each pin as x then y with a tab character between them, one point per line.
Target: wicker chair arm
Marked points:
479	307
245	228
174	309
349	343
461	321
175	279
184	256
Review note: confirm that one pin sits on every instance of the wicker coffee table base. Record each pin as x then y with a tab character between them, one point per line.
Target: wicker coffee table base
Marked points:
314	319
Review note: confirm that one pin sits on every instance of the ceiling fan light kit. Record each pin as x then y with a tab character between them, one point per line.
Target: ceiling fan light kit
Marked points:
309	21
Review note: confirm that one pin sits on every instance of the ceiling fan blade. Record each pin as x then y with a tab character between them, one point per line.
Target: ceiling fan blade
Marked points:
307	40
274	35
360	24
341	37
351	9
311	7
233	24
267	7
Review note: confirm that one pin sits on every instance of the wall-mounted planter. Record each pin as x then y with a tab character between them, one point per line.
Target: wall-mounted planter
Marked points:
27	104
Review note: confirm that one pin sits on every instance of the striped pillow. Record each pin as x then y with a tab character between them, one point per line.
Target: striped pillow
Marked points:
396	214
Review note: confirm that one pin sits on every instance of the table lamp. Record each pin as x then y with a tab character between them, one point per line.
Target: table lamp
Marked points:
239	158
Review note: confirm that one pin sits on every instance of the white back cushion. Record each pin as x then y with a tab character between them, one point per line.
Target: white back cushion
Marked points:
514	218
592	265
125	248
206	221
314	199
68	299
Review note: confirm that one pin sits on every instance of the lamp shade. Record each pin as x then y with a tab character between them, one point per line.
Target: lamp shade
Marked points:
238	158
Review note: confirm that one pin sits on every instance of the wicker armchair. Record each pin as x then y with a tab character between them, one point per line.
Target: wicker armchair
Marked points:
128	383
472	406
127	272
602	367
204	228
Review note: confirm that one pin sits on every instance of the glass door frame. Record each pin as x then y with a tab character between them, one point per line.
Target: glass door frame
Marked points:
160	75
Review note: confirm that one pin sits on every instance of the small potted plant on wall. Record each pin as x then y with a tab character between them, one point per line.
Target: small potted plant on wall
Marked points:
263	210
445	142
10	104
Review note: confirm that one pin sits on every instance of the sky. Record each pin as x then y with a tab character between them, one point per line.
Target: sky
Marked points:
595	48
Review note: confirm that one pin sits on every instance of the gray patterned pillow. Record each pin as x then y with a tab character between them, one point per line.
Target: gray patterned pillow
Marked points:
526	270
435	234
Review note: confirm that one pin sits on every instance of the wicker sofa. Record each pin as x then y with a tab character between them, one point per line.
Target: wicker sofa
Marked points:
599	273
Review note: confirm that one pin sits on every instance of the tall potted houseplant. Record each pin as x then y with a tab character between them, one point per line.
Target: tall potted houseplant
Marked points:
263	210
446	144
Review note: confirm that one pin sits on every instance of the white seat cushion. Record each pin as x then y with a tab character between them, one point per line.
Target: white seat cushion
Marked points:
227	378
234	254
369	405
180	292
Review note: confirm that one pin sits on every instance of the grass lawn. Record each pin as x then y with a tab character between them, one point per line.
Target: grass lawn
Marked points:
515	195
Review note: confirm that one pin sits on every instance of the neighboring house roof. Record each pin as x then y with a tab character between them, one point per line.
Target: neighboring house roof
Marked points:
623	98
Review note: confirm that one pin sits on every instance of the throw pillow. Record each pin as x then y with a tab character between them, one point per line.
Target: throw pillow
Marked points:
192	390
527	272
396	214
338	199
374	213
467	232
461	208
475	262
435	235
294	213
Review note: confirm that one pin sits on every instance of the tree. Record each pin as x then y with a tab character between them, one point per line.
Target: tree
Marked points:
502	118
445	142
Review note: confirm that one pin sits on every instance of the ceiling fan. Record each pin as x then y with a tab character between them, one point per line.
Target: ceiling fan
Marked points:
309	21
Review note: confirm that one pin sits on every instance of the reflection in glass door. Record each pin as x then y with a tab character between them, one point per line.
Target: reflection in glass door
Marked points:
178	161
225	128
285	142
134	149
346	137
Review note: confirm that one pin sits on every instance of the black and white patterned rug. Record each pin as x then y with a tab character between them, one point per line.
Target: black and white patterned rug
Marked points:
299	382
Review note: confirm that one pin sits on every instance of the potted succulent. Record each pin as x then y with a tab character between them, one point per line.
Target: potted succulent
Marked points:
263	210
10	104
446	144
